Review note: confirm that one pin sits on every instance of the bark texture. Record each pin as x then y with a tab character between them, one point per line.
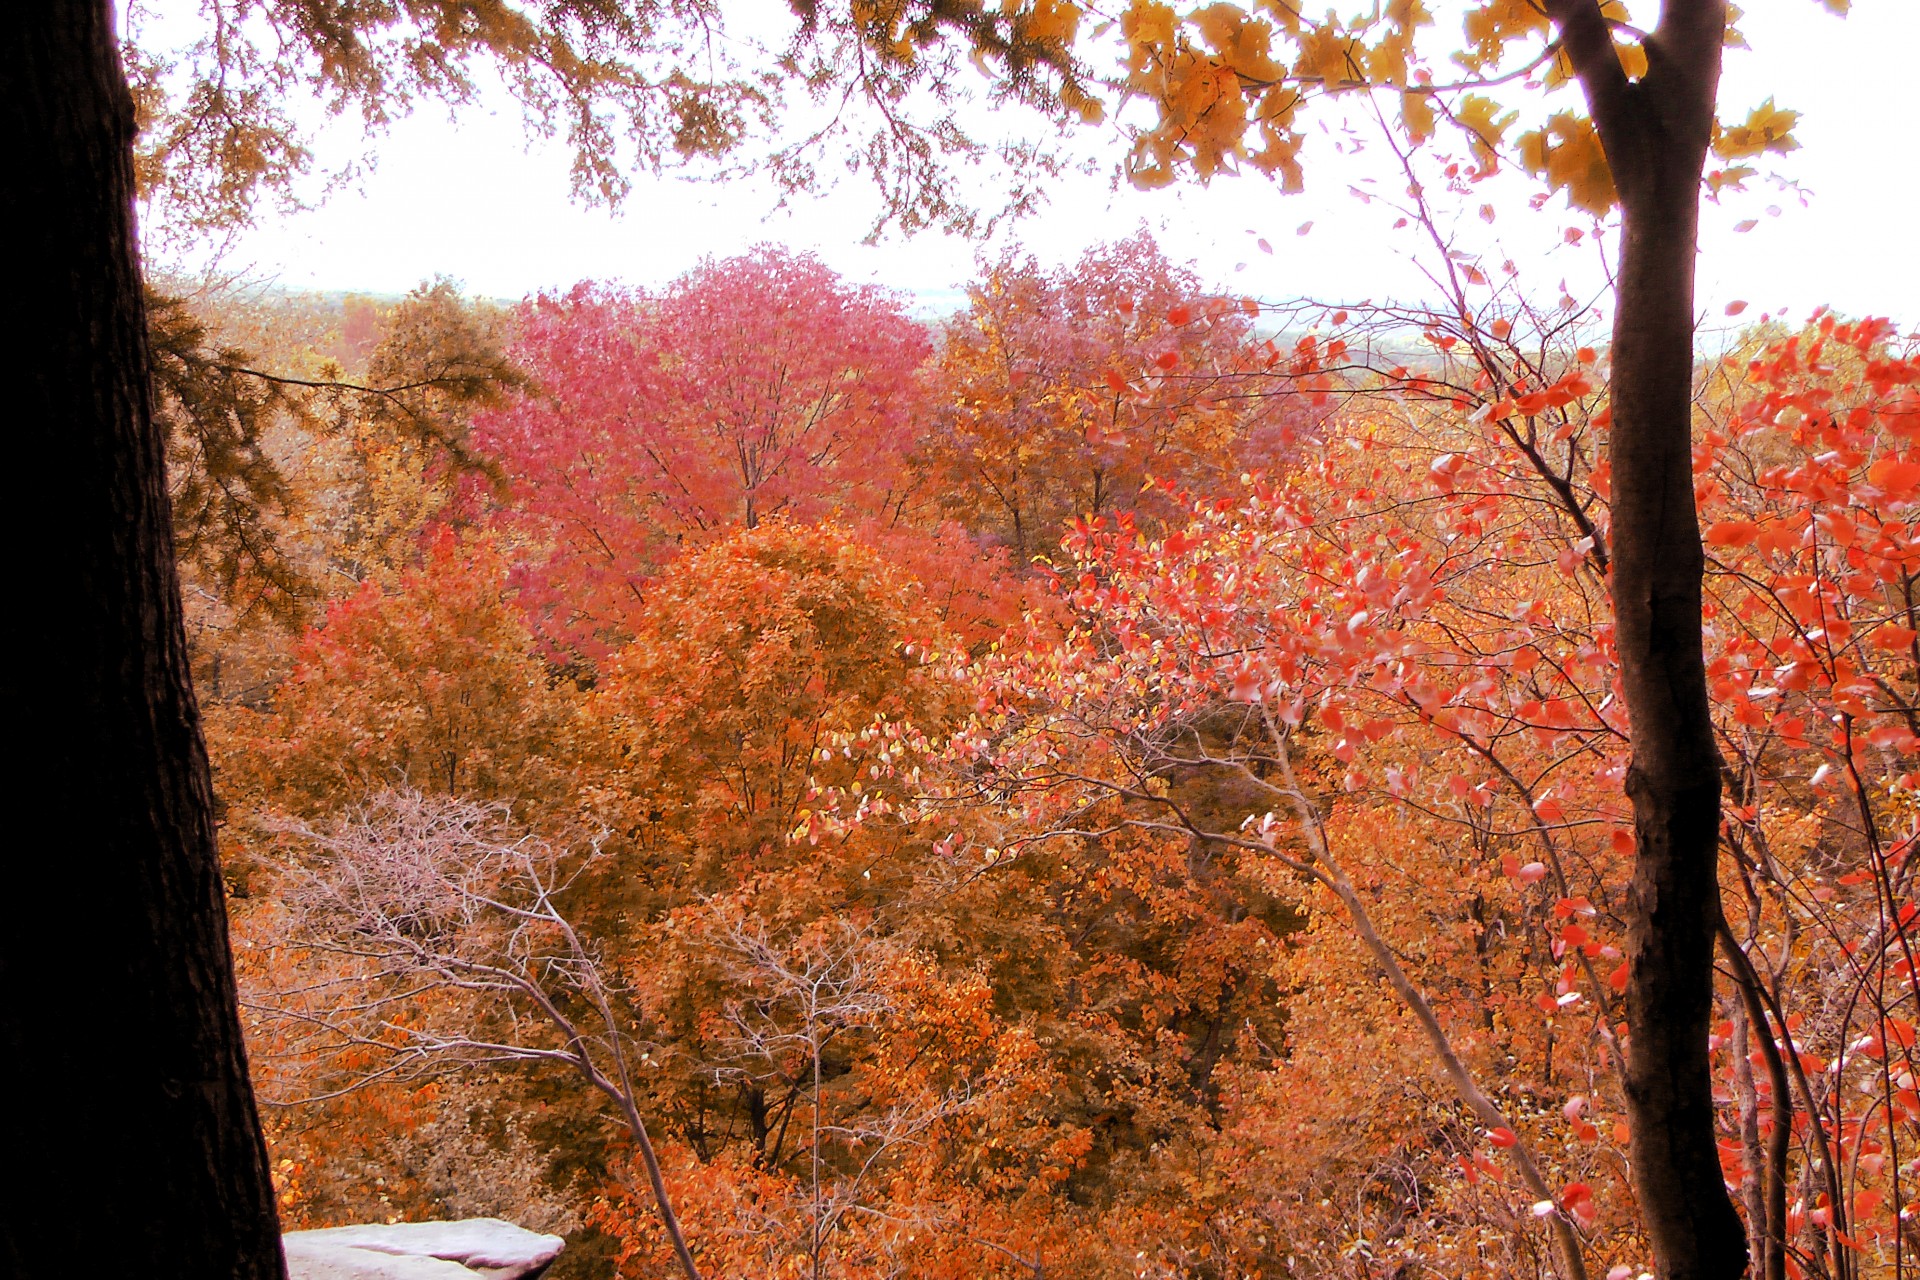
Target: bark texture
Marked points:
121	1059
1656	132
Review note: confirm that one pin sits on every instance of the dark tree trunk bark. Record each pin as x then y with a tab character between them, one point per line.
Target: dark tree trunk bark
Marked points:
1656	132
1674	779
124	1077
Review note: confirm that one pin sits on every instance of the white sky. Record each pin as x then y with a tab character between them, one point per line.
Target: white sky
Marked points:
468	198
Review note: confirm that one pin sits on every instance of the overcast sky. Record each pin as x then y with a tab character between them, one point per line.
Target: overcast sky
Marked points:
468	198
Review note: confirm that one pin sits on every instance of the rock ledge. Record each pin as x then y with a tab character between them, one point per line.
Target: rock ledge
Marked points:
471	1249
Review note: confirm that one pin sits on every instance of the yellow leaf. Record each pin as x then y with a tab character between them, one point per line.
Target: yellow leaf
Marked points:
1497	23
1148	28
1633	59
1407	14
1052	21
1240	44
1484	132
1567	153
1279	156
1767	128
1733	177
1329	56
1286	11
1735	40
1387	62
1416	114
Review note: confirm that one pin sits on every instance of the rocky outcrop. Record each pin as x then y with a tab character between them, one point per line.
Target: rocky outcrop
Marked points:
472	1249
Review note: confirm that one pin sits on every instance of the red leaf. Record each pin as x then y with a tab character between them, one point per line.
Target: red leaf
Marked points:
1732	533
1894	476
1892	637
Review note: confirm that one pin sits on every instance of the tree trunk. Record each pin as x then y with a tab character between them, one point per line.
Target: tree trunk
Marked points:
1656	132
125	1077
1674	779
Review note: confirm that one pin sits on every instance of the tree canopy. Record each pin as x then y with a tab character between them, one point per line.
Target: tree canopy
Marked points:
950	940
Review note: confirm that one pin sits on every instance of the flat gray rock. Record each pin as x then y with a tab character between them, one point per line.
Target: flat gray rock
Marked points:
472	1249
319	1260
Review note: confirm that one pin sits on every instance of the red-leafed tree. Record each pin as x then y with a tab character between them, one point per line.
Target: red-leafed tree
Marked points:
754	386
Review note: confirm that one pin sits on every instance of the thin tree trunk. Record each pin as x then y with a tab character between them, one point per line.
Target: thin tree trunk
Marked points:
1674	779
125	1077
1656	132
1753	1178
1767	1220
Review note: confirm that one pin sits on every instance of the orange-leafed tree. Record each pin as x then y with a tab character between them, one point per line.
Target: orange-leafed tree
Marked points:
1060	393
904	1133
880	1052
814	1057
430	681
749	656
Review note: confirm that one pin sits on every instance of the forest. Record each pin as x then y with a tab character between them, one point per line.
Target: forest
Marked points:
1119	777
1114	782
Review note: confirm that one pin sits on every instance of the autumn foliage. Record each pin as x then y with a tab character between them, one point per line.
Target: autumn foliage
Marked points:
1065	392
759	387
1115	790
